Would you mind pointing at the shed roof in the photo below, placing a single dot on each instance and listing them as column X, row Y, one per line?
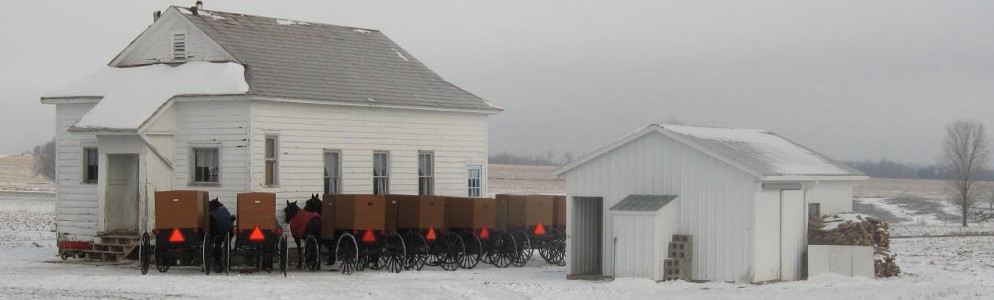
column 306, row 60
column 758, row 152
column 648, row 203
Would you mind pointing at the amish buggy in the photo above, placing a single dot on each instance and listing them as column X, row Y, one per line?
column 354, row 228
column 257, row 237
column 475, row 219
column 421, row 222
column 182, row 232
column 536, row 222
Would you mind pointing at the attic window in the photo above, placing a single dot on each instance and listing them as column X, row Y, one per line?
column 179, row 45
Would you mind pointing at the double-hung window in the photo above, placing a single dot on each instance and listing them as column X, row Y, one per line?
column 381, row 173
column 206, row 165
column 475, row 180
column 90, row 165
column 426, row 173
column 271, row 162
column 332, row 172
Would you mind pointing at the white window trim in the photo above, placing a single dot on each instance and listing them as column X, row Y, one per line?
column 275, row 159
column 338, row 180
column 386, row 183
column 479, row 187
column 431, row 178
column 86, row 166
column 193, row 165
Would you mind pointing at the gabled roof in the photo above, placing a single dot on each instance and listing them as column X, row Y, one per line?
column 643, row 203
column 306, row 60
column 758, row 152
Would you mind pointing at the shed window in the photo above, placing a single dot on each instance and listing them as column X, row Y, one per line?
column 206, row 167
column 381, row 173
column 179, row 45
column 426, row 173
column 332, row 172
column 474, row 183
column 814, row 210
column 271, row 163
column 90, row 165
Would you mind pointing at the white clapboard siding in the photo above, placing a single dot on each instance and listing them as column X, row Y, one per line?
column 716, row 201
column 76, row 202
column 305, row 131
column 210, row 124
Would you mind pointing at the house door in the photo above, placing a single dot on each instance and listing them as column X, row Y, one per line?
column 585, row 237
column 121, row 197
column 792, row 232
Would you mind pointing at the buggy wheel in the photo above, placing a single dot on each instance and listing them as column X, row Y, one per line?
column 473, row 250
column 65, row 255
column 524, row 249
column 417, row 250
column 503, row 249
column 450, row 251
column 312, row 255
column 144, row 253
column 220, row 252
column 394, row 254
column 227, row 253
column 348, row 252
column 205, row 252
column 282, row 252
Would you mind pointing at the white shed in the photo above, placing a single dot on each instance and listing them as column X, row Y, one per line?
column 743, row 195
column 643, row 225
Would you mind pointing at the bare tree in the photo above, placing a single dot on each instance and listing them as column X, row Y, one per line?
column 964, row 157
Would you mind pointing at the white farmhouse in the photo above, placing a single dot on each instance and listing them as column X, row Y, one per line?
column 230, row 103
column 742, row 195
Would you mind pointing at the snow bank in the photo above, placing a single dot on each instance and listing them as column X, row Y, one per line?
column 779, row 154
column 132, row 95
column 835, row 220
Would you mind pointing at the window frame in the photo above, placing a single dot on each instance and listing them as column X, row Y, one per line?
column 814, row 210
column 327, row 178
column 86, row 165
column 266, row 160
column 469, row 181
column 193, row 166
column 385, row 177
column 426, row 183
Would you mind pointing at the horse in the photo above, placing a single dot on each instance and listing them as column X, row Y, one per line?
column 313, row 205
column 302, row 224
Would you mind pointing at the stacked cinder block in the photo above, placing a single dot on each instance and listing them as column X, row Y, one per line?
column 679, row 253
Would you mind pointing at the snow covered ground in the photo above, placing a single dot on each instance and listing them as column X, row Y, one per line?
column 935, row 268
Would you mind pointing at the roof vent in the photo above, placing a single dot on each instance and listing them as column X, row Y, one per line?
column 156, row 15
column 200, row 5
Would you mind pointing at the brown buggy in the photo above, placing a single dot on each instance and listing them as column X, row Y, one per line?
column 257, row 235
column 362, row 235
column 421, row 221
column 476, row 220
column 533, row 221
column 182, row 232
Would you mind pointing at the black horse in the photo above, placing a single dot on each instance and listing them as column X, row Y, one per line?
column 313, row 205
column 302, row 224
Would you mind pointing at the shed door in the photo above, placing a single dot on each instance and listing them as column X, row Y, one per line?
column 585, row 237
column 634, row 245
column 792, row 231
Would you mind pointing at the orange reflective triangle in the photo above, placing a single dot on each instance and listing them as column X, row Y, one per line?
column 368, row 237
column 539, row 229
column 256, row 235
column 431, row 234
column 484, row 233
column 176, row 236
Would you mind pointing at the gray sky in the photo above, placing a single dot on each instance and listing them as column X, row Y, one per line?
column 851, row 79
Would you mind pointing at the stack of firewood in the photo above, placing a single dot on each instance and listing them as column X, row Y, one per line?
column 852, row 229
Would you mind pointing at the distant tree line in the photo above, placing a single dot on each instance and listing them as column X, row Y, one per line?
column 45, row 165
column 885, row 168
column 547, row 159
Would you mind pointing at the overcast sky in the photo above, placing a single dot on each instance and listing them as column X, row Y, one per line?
column 850, row 79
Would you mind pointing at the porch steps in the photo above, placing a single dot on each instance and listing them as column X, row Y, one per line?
column 114, row 247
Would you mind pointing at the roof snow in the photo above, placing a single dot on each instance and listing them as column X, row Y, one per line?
column 762, row 151
column 132, row 95
column 290, row 22
column 401, row 55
